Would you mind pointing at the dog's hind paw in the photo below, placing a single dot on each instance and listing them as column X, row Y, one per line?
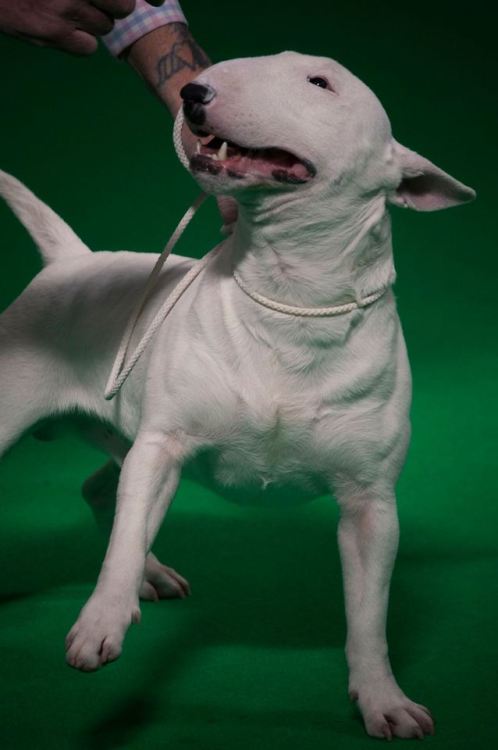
column 161, row 582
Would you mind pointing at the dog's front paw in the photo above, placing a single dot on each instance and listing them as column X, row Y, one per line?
column 161, row 582
column 96, row 637
column 388, row 713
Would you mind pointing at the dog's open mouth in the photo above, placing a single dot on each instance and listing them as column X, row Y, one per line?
column 273, row 164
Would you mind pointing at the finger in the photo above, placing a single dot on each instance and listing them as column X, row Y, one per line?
column 90, row 19
column 75, row 42
column 115, row 8
column 32, row 40
column 70, row 40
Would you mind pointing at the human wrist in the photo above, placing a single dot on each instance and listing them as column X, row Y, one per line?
column 167, row 58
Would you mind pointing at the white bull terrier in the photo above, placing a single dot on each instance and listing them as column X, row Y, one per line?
column 284, row 362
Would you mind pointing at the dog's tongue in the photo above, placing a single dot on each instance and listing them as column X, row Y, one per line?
column 267, row 162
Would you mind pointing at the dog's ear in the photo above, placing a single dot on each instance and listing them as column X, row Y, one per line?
column 425, row 187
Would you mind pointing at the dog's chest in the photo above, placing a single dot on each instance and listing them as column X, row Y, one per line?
column 260, row 414
column 271, row 440
column 281, row 431
column 266, row 444
column 289, row 405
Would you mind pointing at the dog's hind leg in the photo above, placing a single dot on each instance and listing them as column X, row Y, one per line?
column 368, row 540
column 25, row 393
column 99, row 491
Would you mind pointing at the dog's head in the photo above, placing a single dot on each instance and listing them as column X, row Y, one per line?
column 292, row 121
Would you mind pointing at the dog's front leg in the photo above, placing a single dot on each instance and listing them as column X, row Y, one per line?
column 368, row 540
column 100, row 491
column 149, row 478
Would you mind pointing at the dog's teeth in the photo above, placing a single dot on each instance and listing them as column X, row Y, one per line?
column 223, row 151
column 198, row 147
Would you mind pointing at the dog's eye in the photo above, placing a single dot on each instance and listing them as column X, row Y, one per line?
column 318, row 81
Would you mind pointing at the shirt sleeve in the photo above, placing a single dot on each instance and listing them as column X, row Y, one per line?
column 144, row 18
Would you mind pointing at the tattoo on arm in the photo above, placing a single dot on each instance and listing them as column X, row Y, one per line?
column 185, row 53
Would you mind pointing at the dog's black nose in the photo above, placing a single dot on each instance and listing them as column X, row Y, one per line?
column 197, row 93
column 195, row 96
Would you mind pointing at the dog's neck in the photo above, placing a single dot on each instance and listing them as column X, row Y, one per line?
column 289, row 249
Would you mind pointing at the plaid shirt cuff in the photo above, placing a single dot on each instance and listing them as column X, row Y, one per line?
column 144, row 18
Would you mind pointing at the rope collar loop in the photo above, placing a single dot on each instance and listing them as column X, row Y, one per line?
column 310, row 312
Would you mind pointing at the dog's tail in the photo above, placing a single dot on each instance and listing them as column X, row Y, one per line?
column 55, row 239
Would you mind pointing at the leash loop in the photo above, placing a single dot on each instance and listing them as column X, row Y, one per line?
column 122, row 368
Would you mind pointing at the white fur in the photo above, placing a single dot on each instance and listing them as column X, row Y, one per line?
column 266, row 397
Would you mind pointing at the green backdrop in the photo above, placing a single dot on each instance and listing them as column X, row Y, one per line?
column 254, row 658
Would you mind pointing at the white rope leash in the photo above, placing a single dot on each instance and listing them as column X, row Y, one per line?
column 177, row 140
column 309, row 312
column 120, row 369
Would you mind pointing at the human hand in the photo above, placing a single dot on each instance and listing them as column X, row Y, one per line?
column 69, row 25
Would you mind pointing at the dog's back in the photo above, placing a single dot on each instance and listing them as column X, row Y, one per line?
column 58, row 338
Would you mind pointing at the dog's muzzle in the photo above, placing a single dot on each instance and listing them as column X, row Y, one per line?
column 236, row 161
